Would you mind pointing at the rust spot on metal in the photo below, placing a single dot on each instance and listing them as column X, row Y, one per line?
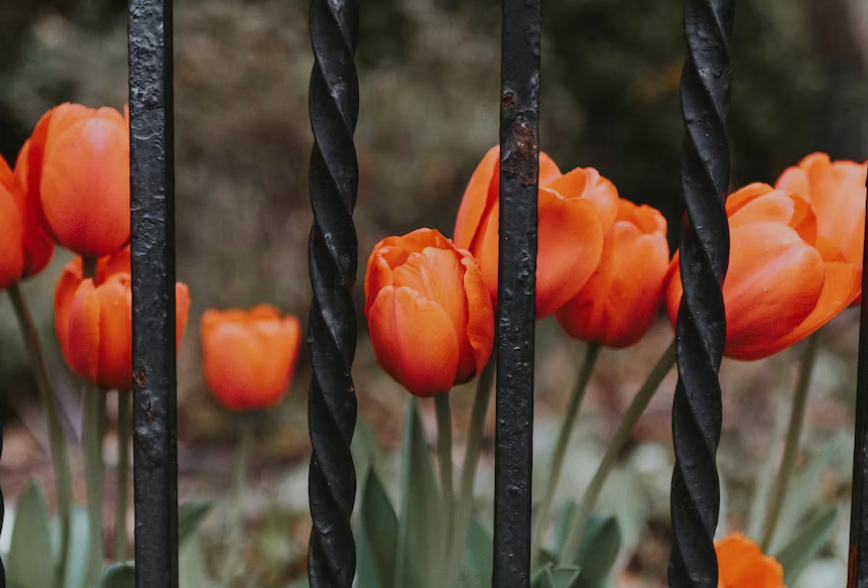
column 141, row 378
column 150, row 414
column 508, row 100
column 521, row 156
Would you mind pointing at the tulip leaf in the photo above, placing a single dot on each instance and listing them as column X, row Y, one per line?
column 29, row 562
column 421, row 545
column 798, row 553
column 192, row 567
column 598, row 552
column 478, row 558
column 119, row 576
column 564, row 522
column 190, row 515
column 546, row 578
column 378, row 536
column 79, row 548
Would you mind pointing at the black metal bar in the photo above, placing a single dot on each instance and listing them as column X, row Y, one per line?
column 857, row 576
column 153, row 284
column 701, row 328
column 333, row 260
column 516, row 319
column 2, row 514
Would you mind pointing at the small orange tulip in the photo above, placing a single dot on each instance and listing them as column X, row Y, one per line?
column 784, row 281
column 249, row 356
column 78, row 162
column 575, row 212
column 742, row 564
column 622, row 298
column 429, row 312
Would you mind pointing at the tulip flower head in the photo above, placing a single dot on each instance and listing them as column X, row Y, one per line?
column 429, row 312
column 742, row 564
column 784, row 280
column 621, row 299
column 77, row 164
column 249, row 356
column 576, row 210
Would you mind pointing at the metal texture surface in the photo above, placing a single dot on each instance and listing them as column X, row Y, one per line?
column 153, row 285
column 701, row 328
column 2, row 514
column 516, row 316
column 333, row 260
column 857, row 576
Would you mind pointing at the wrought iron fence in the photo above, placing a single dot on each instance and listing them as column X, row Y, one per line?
column 333, row 258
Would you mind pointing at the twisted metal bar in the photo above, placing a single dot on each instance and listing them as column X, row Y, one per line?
column 857, row 576
column 333, row 259
column 701, row 329
column 2, row 514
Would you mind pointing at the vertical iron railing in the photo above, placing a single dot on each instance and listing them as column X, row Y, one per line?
column 857, row 576
column 701, row 327
column 152, row 239
column 333, row 260
column 516, row 316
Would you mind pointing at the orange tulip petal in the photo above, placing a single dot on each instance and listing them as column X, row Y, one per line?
column 742, row 564
column 480, row 190
column 588, row 183
column 83, row 334
column 115, row 333
column 182, row 312
column 569, row 249
column 486, row 250
column 480, row 313
column 414, row 341
column 11, row 240
column 231, row 364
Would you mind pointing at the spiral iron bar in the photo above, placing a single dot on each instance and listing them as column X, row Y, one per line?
column 333, row 260
column 516, row 320
column 701, row 328
column 152, row 241
column 857, row 576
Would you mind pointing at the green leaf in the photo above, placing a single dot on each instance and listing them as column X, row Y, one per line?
column 29, row 564
column 564, row 522
column 477, row 561
column 598, row 552
column 798, row 553
column 190, row 515
column 421, row 545
column 546, row 578
column 192, row 568
column 378, row 536
column 119, row 576
column 79, row 548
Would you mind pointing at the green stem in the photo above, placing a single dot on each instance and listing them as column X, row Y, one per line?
column 542, row 517
column 759, row 505
column 791, row 445
column 56, row 439
column 464, row 507
column 93, row 402
column 573, row 542
column 125, row 428
column 444, row 453
column 242, row 465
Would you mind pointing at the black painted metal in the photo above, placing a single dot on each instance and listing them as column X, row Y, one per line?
column 516, row 318
column 153, row 285
column 2, row 515
column 857, row 576
column 333, row 260
column 701, row 329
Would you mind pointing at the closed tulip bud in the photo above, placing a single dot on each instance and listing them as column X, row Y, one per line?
column 78, row 163
column 621, row 299
column 784, row 281
column 576, row 210
column 429, row 312
column 742, row 564
column 249, row 356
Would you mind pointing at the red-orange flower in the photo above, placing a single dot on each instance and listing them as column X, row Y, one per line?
column 78, row 163
column 93, row 320
column 623, row 296
column 784, row 281
column 248, row 356
column 576, row 210
column 742, row 564
column 429, row 312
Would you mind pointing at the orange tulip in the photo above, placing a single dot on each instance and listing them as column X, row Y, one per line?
column 429, row 312
column 742, row 564
column 622, row 298
column 93, row 320
column 249, row 356
column 784, row 282
column 78, row 163
column 575, row 212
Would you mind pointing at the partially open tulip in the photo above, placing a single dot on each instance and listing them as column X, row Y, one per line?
column 623, row 296
column 576, row 210
column 784, row 281
column 78, row 163
column 742, row 564
column 249, row 356
column 429, row 312
column 93, row 320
